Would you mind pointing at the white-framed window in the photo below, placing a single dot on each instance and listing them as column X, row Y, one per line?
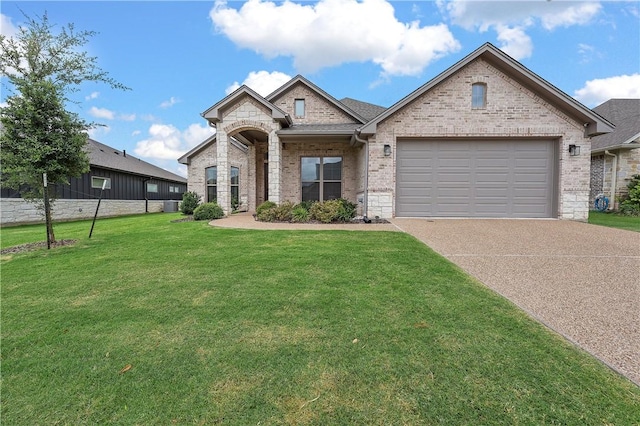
column 235, row 186
column 211, row 175
column 299, row 107
column 478, row 95
column 321, row 178
column 97, row 182
column 152, row 187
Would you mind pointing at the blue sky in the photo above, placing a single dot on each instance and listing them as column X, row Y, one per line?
column 179, row 58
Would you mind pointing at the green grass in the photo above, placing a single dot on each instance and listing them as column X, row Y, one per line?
column 615, row 220
column 242, row 327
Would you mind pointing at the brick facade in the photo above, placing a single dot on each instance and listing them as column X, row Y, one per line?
column 443, row 110
column 208, row 157
column 512, row 111
column 628, row 165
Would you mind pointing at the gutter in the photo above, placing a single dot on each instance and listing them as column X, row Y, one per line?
column 614, row 175
column 355, row 138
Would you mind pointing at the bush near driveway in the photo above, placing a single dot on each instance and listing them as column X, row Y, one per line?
column 339, row 210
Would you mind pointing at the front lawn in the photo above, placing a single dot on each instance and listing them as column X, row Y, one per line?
column 615, row 220
column 153, row 322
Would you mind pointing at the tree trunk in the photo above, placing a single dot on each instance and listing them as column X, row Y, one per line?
column 51, row 238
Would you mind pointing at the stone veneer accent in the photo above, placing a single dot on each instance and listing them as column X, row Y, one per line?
column 16, row 211
column 208, row 158
column 512, row 111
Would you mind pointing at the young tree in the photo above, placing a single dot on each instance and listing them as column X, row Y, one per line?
column 39, row 136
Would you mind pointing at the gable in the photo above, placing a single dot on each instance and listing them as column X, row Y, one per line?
column 446, row 109
column 244, row 94
column 320, row 107
column 517, row 73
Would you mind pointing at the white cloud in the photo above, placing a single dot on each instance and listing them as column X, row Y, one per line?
column 102, row 113
column 263, row 82
column 482, row 15
column 7, row 28
column 587, row 53
column 92, row 95
column 127, row 117
column 600, row 90
column 136, row 133
column 514, row 42
column 331, row 32
column 511, row 19
column 168, row 104
column 166, row 142
column 98, row 131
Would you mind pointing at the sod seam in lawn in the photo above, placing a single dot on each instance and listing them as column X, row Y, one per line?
column 153, row 322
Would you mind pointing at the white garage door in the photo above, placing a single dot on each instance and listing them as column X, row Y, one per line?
column 462, row 178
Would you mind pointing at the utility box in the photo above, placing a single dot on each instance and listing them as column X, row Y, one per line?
column 170, row 206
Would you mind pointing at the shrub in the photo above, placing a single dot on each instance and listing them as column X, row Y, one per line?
column 326, row 211
column 235, row 204
column 283, row 212
column 266, row 211
column 190, row 200
column 208, row 211
column 305, row 205
column 347, row 210
column 631, row 204
column 300, row 215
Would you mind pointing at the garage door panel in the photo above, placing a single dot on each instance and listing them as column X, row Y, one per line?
column 475, row 178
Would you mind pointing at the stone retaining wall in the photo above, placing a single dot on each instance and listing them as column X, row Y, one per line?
column 16, row 211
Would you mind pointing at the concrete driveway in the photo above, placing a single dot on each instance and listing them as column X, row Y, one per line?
column 581, row 280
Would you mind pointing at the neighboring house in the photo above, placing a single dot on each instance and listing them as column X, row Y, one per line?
column 486, row 138
column 615, row 156
column 132, row 186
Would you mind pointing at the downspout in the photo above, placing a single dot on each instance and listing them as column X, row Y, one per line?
column 365, row 208
column 614, row 175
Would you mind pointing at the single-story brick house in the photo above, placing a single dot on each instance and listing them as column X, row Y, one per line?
column 132, row 186
column 485, row 138
column 615, row 156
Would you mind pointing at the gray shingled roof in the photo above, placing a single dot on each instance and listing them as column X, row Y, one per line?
column 311, row 129
column 104, row 156
column 364, row 109
column 625, row 114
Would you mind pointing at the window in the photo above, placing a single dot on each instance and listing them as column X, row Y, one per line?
column 175, row 189
column 321, row 178
column 97, row 182
column 299, row 107
column 478, row 95
column 152, row 187
column 235, row 187
column 212, row 183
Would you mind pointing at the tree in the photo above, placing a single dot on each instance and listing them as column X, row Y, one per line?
column 39, row 135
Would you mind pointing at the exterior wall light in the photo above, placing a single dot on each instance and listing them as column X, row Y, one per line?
column 574, row 150
column 387, row 150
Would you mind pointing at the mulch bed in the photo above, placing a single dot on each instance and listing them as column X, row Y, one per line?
column 22, row 248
